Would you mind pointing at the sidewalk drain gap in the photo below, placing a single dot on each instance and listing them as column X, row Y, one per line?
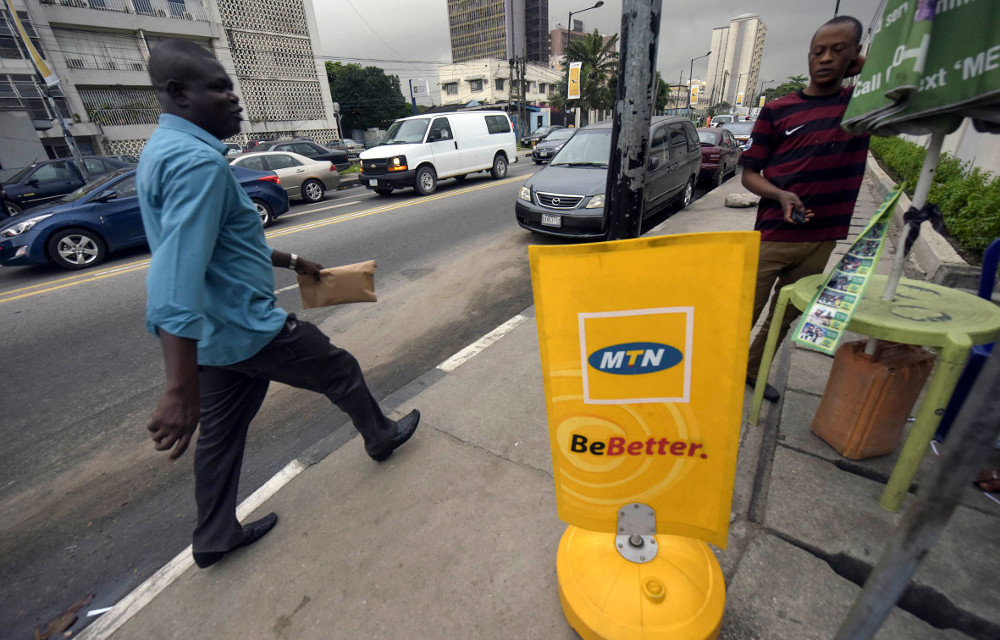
column 920, row 601
column 866, row 472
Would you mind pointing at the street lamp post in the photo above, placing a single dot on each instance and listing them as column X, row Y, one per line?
column 569, row 38
column 691, row 75
column 760, row 91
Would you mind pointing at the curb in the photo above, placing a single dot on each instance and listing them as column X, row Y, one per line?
column 931, row 253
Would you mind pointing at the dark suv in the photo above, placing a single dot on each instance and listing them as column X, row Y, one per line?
column 309, row 149
column 42, row 182
column 566, row 198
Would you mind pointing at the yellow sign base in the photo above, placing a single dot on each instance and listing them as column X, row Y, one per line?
column 680, row 594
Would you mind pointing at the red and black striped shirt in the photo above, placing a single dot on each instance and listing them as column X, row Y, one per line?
column 798, row 145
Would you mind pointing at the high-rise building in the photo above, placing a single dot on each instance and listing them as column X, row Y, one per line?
column 499, row 29
column 99, row 49
column 559, row 40
column 734, row 66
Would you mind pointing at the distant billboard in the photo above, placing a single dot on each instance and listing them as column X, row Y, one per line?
column 694, row 94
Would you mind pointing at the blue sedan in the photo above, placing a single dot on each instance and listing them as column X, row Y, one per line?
column 80, row 229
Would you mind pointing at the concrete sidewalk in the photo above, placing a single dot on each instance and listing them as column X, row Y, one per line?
column 455, row 535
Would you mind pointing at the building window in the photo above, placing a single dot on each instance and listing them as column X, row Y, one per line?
column 10, row 45
column 498, row 83
column 541, row 87
column 476, row 85
column 451, row 88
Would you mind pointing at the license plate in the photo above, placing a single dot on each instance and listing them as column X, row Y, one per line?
column 543, row 154
column 373, row 183
column 550, row 220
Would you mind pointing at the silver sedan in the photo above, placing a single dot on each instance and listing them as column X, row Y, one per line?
column 301, row 177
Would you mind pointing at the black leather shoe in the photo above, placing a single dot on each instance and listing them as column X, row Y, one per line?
column 252, row 532
column 770, row 393
column 404, row 429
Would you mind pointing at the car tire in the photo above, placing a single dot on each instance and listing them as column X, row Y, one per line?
column 383, row 191
column 76, row 248
column 719, row 178
column 11, row 208
column 686, row 196
column 499, row 170
column 425, row 181
column 313, row 190
column 265, row 213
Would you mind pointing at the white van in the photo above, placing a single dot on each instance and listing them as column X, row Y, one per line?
column 420, row 150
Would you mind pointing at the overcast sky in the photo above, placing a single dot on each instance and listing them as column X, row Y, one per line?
column 409, row 38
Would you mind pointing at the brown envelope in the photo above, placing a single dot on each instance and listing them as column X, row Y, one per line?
column 339, row 285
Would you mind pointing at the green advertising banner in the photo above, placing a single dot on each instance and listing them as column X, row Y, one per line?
column 931, row 63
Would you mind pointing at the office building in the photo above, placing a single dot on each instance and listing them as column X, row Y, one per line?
column 559, row 40
column 499, row 29
column 99, row 50
column 734, row 66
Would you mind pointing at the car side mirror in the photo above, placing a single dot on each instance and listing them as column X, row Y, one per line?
column 435, row 135
column 654, row 162
column 33, row 182
column 106, row 196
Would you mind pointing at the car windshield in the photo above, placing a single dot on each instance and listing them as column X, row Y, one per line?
column 94, row 185
column 586, row 148
column 406, row 131
column 708, row 137
column 560, row 134
column 739, row 128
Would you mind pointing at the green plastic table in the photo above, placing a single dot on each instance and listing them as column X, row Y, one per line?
column 950, row 321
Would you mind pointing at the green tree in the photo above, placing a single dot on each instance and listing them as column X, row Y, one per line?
column 368, row 96
column 598, row 73
column 662, row 94
column 720, row 107
column 790, row 85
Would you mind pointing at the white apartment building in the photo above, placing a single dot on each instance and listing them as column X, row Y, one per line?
column 734, row 65
column 99, row 50
column 489, row 81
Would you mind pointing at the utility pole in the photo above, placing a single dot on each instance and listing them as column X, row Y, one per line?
column 633, row 111
column 510, row 87
column 522, row 108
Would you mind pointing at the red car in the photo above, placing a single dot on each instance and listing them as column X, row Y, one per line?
column 720, row 155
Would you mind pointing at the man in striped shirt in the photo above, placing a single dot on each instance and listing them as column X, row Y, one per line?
column 807, row 171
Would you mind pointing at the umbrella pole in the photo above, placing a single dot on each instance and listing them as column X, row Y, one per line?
column 966, row 451
column 919, row 200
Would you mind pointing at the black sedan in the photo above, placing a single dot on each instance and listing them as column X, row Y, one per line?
column 548, row 146
column 43, row 182
column 309, row 149
column 539, row 133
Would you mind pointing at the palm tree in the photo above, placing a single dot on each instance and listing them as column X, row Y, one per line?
column 600, row 65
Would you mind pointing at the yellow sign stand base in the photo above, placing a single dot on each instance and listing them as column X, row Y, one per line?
column 680, row 594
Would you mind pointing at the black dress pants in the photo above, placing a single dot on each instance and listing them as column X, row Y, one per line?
column 301, row 356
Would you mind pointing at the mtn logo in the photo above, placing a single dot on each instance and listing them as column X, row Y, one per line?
column 635, row 358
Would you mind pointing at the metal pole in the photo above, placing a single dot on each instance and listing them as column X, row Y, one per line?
column 966, row 451
column 413, row 101
column 919, row 200
column 632, row 114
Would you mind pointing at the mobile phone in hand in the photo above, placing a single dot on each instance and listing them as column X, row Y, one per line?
column 798, row 215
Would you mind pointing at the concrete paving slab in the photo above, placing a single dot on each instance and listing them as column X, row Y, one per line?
column 782, row 591
column 809, row 370
column 498, row 401
column 845, row 519
column 444, row 540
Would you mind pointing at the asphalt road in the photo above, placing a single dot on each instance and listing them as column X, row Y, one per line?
column 88, row 507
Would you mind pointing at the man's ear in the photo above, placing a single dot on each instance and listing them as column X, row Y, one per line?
column 175, row 90
column 854, row 68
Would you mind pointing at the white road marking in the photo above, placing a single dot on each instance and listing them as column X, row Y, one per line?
column 478, row 346
column 332, row 206
column 131, row 604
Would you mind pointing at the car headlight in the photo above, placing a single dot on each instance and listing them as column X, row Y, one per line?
column 525, row 194
column 397, row 163
column 596, row 202
column 21, row 227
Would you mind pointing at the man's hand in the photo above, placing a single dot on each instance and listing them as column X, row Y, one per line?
column 790, row 202
column 176, row 415
column 308, row 268
column 174, row 421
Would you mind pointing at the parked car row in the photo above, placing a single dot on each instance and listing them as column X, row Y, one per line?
column 80, row 229
column 45, row 181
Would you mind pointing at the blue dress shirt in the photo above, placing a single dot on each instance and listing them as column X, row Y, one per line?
column 211, row 277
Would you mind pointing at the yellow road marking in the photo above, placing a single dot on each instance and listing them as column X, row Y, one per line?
column 70, row 281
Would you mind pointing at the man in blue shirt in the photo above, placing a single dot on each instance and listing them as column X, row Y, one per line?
column 211, row 301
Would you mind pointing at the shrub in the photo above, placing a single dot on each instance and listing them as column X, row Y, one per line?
column 968, row 197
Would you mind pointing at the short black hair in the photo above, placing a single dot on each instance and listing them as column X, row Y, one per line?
column 176, row 59
column 854, row 22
